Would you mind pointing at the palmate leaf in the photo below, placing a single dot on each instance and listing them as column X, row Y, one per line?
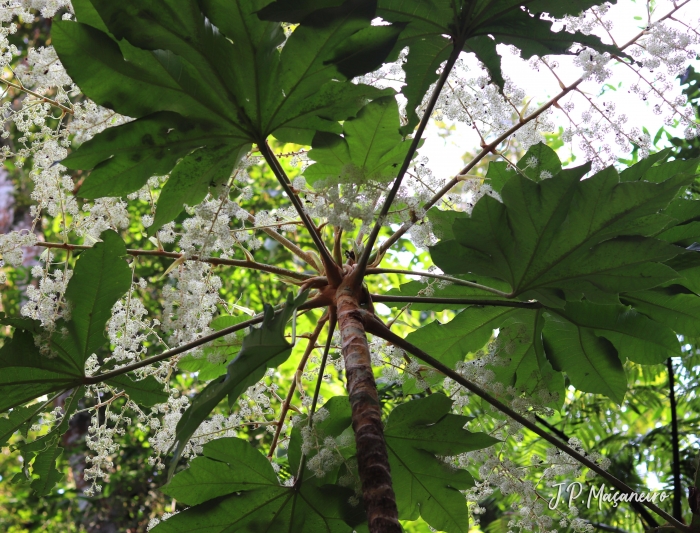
column 416, row 433
column 371, row 147
column 100, row 278
column 559, row 238
column 264, row 347
column 233, row 487
column 208, row 76
column 554, row 240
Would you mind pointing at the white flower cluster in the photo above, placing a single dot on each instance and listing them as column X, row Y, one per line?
column 593, row 64
column 45, row 301
column 208, row 230
column 342, row 204
column 671, row 47
column 164, row 430
column 660, row 54
column 24, row 9
column 479, row 104
column 189, row 305
column 480, row 371
column 48, row 420
column 101, row 433
column 101, row 215
column 252, row 408
column 89, row 119
column 11, row 247
column 128, row 328
column 590, row 20
column 7, row 51
column 503, row 474
column 42, row 68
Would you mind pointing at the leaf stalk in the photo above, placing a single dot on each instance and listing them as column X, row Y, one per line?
column 376, row 327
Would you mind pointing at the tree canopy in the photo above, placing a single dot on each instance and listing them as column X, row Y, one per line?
column 211, row 287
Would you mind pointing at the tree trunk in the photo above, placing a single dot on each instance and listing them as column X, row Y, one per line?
column 372, row 458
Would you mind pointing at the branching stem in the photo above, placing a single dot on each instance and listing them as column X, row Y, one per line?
column 281, row 176
column 302, row 364
column 369, row 244
column 253, row 265
column 443, row 277
column 383, row 298
column 489, row 148
column 49, row 101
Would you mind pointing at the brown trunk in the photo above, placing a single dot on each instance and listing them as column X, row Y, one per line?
column 372, row 458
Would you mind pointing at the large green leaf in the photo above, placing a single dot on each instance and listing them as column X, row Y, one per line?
column 564, row 237
column 45, row 451
column 417, row 433
column 233, row 487
column 124, row 157
column 264, row 347
column 370, row 148
column 190, row 180
column 634, row 336
column 209, row 76
column 590, row 362
column 524, row 364
column 100, row 278
column 468, row 332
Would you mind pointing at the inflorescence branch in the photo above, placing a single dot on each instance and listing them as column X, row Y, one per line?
column 253, row 265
